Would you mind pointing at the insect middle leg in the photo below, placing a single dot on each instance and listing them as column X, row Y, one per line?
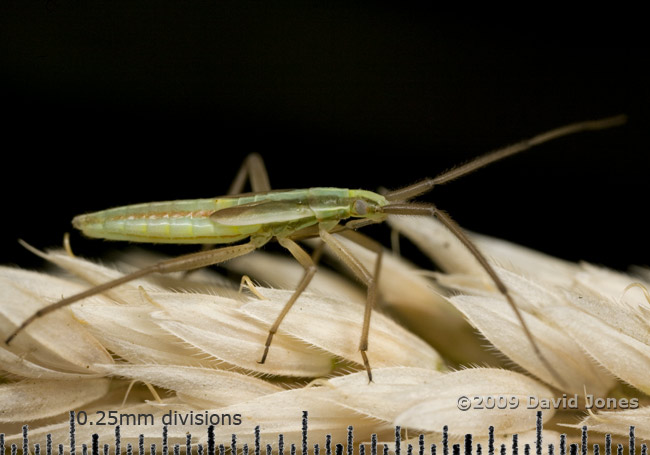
column 370, row 280
column 309, row 264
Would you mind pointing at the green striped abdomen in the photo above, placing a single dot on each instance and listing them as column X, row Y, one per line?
column 164, row 222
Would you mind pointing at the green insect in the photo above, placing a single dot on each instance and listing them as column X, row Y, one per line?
column 288, row 216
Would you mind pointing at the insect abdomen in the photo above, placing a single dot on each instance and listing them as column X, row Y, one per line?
column 163, row 222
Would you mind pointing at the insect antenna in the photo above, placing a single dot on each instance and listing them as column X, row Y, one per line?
column 424, row 186
column 398, row 205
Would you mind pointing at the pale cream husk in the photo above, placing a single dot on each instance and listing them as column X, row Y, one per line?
column 170, row 348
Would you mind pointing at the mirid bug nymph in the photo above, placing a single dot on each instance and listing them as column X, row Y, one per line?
column 289, row 216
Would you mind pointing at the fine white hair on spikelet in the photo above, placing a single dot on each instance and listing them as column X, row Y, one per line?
column 196, row 341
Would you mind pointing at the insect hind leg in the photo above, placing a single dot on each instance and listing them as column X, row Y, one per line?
column 179, row 264
column 253, row 168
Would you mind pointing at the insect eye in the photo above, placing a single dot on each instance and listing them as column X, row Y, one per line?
column 360, row 207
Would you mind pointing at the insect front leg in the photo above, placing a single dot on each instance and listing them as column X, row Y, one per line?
column 370, row 280
column 408, row 208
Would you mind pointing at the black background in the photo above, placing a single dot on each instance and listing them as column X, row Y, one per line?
column 108, row 105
